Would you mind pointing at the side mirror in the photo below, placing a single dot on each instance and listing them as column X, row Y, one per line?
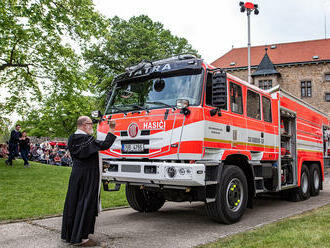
column 183, row 105
column 96, row 114
column 219, row 90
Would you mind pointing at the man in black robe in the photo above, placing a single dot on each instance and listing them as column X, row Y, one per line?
column 13, row 144
column 82, row 199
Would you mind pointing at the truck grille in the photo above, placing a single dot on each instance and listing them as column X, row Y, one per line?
column 143, row 133
column 130, row 168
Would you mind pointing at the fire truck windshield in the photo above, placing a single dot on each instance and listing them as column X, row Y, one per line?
column 156, row 93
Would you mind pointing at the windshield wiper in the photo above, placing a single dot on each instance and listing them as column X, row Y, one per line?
column 160, row 103
column 116, row 108
column 139, row 107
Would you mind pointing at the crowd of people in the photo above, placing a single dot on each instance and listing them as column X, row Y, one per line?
column 4, row 151
column 46, row 152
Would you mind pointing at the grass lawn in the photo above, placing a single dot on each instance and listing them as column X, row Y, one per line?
column 311, row 229
column 40, row 190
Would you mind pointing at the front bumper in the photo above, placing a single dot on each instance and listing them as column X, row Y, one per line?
column 157, row 173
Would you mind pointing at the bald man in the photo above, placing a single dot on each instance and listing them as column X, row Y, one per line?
column 82, row 199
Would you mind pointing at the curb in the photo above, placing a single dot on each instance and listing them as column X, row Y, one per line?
column 51, row 216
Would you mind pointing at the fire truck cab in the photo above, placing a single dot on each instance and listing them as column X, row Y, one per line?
column 189, row 132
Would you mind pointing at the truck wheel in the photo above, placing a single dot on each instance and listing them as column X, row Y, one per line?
column 315, row 180
column 231, row 197
column 143, row 200
column 303, row 192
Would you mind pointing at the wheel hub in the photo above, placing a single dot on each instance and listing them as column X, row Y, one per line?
column 234, row 194
column 316, row 180
column 304, row 183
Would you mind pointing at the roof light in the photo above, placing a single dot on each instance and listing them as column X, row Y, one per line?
column 249, row 5
column 273, row 46
column 315, row 57
column 232, row 63
column 186, row 56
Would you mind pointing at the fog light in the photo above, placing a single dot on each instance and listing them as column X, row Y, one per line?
column 182, row 171
column 105, row 166
column 171, row 172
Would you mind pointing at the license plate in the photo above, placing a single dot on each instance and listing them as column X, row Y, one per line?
column 133, row 147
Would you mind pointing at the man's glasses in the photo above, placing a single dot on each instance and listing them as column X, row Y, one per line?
column 88, row 123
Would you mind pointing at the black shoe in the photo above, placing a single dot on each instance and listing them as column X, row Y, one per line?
column 6, row 162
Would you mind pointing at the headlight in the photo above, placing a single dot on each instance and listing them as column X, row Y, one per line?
column 171, row 172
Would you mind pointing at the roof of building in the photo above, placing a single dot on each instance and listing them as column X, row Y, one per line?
column 282, row 53
column 265, row 67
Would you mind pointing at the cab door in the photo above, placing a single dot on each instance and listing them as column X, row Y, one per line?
column 217, row 129
column 238, row 120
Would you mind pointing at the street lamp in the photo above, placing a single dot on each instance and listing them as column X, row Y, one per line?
column 249, row 7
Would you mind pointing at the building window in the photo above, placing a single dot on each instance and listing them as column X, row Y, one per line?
column 327, row 97
column 306, row 89
column 265, row 84
column 327, row 77
column 253, row 105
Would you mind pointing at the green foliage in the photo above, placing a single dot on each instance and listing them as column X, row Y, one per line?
column 36, row 47
column 4, row 129
column 128, row 43
column 58, row 115
column 307, row 230
column 40, row 191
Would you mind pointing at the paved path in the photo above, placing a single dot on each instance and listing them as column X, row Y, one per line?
column 176, row 225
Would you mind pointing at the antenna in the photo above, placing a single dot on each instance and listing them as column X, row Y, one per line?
column 325, row 25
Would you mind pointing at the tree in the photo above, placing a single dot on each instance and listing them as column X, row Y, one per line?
column 34, row 56
column 128, row 43
column 4, row 130
column 58, row 115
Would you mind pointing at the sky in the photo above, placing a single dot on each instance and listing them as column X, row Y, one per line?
column 213, row 27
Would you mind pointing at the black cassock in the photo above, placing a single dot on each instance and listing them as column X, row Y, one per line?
column 81, row 203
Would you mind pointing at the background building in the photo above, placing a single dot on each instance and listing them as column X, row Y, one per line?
column 301, row 68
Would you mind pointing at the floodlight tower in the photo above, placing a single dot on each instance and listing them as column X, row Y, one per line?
column 249, row 7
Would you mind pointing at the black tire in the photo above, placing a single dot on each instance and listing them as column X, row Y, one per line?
column 303, row 191
column 143, row 200
column 231, row 196
column 315, row 179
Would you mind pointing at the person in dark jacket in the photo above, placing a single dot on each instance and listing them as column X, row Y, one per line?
column 13, row 144
column 24, row 148
column 82, row 200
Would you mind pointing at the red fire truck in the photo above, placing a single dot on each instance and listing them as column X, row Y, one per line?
column 190, row 132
